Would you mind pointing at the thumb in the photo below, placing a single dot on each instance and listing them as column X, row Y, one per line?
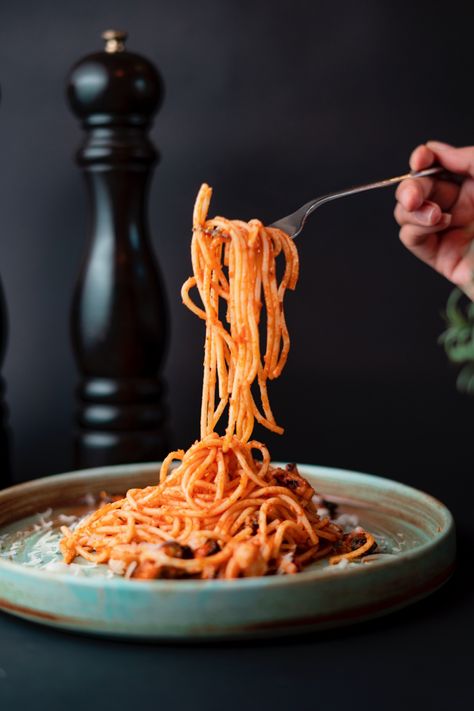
column 458, row 160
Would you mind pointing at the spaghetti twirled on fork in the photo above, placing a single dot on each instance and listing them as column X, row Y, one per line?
column 224, row 511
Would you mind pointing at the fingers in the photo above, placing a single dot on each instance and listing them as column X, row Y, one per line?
column 413, row 193
column 427, row 215
column 415, row 235
column 424, row 207
column 424, row 242
column 458, row 160
column 422, row 157
column 419, row 229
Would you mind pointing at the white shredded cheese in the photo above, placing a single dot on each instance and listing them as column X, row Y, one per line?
column 67, row 520
column 347, row 520
column 130, row 569
column 117, row 566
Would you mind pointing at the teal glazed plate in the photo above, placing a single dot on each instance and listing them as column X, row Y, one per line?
column 415, row 556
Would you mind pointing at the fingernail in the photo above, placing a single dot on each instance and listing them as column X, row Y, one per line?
column 428, row 214
column 446, row 217
column 438, row 145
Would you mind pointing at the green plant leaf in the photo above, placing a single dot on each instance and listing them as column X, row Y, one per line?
column 458, row 338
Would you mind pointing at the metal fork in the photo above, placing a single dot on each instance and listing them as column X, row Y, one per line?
column 294, row 223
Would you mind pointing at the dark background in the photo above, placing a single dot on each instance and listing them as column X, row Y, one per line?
column 272, row 103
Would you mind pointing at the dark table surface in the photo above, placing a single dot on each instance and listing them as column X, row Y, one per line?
column 420, row 657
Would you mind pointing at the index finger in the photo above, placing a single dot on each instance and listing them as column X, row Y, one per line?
column 422, row 157
column 458, row 160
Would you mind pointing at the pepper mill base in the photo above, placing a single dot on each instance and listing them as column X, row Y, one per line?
column 99, row 449
column 5, row 471
column 121, row 421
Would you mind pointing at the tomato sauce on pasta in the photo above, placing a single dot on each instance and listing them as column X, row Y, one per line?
column 220, row 509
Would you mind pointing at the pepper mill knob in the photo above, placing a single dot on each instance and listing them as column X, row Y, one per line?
column 115, row 86
column 119, row 315
column 114, row 40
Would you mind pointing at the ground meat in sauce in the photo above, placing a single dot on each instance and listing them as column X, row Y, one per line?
column 210, row 547
column 248, row 557
column 167, row 572
column 357, row 542
column 150, row 570
column 292, row 479
column 331, row 506
column 354, row 540
column 252, row 522
column 173, row 549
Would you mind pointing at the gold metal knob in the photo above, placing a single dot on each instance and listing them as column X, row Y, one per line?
column 114, row 40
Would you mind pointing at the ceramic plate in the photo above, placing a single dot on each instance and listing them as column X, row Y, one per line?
column 414, row 532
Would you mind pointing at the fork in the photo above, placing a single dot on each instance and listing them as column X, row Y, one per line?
column 294, row 223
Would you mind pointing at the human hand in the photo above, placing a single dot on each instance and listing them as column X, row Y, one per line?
column 436, row 217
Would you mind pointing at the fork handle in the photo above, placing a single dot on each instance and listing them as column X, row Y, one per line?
column 427, row 172
column 294, row 223
column 438, row 170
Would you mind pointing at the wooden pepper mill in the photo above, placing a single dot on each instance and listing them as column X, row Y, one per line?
column 119, row 315
column 4, row 439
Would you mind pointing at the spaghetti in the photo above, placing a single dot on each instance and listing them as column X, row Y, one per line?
column 224, row 511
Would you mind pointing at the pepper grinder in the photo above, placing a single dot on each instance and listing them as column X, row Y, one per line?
column 4, row 439
column 119, row 315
